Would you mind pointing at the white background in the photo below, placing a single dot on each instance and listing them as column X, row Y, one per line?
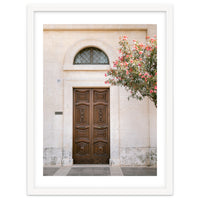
column 13, row 99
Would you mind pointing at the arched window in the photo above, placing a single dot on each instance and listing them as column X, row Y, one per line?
column 91, row 56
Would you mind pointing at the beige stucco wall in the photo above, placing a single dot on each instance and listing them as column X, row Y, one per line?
column 133, row 123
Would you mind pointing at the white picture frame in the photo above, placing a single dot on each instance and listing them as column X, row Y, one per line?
column 35, row 189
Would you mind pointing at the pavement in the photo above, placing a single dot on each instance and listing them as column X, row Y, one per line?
column 99, row 170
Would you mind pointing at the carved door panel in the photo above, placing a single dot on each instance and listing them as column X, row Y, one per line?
column 91, row 126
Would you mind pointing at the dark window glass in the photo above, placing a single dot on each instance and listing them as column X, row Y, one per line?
column 91, row 55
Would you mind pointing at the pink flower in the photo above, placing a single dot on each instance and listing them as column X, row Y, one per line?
column 154, row 36
column 154, row 91
column 127, row 72
column 114, row 66
column 139, row 65
column 151, row 91
column 125, row 37
column 140, row 74
column 152, row 40
column 127, row 56
column 126, row 63
column 116, row 62
column 140, row 52
column 121, row 64
column 134, row 40
column 147, row 37
column 131, row 61
column 141, row 45
column 155, row 87
column 140, row 58
column 105, row 75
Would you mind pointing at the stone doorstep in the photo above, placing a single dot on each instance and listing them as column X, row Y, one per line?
column 113, row 170
column 89, row 165
column 89, row 171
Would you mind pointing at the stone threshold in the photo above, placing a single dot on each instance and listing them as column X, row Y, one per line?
column 98, row 170
column 91, row 165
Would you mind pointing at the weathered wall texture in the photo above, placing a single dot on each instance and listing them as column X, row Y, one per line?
column 133, row 123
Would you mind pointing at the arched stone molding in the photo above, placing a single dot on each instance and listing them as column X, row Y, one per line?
column 75, row 48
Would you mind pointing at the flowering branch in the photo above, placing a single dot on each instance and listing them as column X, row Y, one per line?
column 136, row 68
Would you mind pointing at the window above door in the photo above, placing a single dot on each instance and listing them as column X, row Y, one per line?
column 91, row 56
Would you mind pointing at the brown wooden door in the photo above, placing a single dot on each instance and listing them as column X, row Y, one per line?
column 91, row 126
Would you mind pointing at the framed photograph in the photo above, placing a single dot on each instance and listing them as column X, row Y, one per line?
column 99, row 108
